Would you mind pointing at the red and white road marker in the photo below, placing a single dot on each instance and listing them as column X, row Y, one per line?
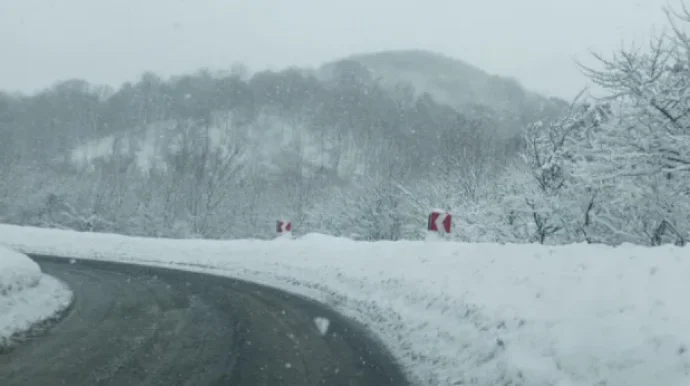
column 283, row 227
column 439, row 223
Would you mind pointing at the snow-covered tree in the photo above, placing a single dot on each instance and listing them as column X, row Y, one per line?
column 644, row 153
column 558, row 201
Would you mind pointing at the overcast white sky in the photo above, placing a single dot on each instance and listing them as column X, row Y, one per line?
column 111, row 41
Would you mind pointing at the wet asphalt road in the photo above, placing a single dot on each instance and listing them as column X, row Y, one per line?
column 133, row 325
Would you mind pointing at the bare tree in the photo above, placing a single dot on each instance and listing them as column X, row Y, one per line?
column 204, row 169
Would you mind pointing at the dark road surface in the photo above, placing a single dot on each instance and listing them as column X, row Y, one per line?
column 133, row 325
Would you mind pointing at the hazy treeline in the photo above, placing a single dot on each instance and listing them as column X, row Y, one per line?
column 224, row 155
column 208, row 128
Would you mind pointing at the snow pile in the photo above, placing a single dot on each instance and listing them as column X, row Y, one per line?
column 27, row 296
column 18, row 272
column 460, row 314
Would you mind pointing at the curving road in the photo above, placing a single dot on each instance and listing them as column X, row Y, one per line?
column 134, row 325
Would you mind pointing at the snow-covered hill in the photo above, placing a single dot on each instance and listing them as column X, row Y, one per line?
column 456, row 313
column 305, row 132
column 453, row 82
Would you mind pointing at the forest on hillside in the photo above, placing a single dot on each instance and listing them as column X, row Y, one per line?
column 224, row 155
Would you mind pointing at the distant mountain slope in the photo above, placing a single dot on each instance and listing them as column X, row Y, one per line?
column 359, row 116
column 453, row 82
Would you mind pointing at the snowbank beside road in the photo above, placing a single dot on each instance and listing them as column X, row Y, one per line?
column 27, row 296
column 459, row 314
column 17, row 272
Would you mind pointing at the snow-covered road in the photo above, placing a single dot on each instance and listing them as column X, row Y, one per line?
column 151, row 326
column 27, row 296
column 455, row 313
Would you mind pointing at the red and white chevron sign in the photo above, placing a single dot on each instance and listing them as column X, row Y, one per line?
column 283, row 226
column 439, row 221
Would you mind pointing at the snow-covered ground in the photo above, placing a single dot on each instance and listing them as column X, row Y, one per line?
column 460, row 314
column 27, row 296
